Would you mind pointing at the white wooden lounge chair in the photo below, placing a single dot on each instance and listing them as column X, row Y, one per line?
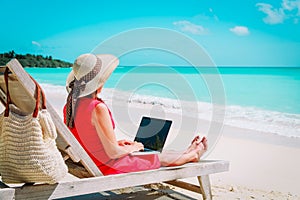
column 87, row 177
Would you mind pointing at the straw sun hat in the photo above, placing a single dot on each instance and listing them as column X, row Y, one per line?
column 91, row 71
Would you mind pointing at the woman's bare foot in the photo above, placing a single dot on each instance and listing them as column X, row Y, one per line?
column 204, row 147
column 200, row 149
column 204, row 142
column 196, row 139
column 192, row 154
column 195, row 142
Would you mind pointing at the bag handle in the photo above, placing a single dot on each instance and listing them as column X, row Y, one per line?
column 8, row 100
column 39, row 93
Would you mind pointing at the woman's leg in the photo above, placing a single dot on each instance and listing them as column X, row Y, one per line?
column 192, row 154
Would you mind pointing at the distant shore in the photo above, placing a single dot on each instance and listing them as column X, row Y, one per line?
column 30, row 60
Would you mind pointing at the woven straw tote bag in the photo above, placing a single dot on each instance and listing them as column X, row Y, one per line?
column 28, row 151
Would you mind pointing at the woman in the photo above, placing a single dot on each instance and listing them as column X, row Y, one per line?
column 91, row 122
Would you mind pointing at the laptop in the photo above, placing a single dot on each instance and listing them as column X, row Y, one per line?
column 152, row 133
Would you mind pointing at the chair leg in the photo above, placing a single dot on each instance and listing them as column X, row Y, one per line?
column 205, row 187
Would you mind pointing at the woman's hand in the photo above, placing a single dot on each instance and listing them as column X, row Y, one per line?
column 138, row 146
column 130, row 145
column 125, row 142
column 134, row 146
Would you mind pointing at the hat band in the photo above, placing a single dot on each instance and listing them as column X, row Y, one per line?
column 89, row 76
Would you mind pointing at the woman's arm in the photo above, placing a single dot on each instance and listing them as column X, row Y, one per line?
column 102, row 122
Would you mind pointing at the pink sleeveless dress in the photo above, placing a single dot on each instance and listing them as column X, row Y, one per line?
column 87, row 136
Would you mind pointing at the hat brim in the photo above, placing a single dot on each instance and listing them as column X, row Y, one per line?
column 109, row 64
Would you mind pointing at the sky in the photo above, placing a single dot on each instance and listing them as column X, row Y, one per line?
column 231, row 32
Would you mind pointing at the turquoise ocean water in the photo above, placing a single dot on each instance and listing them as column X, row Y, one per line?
column 260, row 95
column 276, row 89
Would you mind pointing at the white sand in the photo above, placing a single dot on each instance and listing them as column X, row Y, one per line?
column 259, row 168
column 259, row 165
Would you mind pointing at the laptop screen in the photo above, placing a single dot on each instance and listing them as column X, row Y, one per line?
column 153, row 133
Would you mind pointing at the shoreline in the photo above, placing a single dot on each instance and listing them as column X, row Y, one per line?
column 263, row 121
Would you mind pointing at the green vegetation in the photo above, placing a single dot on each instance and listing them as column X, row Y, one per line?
column 30, row 60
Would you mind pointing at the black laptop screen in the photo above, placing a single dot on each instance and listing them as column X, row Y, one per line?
column 153, row 132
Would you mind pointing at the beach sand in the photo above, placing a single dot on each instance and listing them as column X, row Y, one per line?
column 259, row 163
column 262, row 166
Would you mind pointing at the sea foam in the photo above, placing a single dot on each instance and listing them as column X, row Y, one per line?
column 283, row 124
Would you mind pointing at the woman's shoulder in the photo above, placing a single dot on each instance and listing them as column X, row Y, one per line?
column 100, row 106
column 101, row 111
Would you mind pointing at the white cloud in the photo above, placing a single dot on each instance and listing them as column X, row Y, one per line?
column 286, row 4
column 274, row 16
column 240, row 30
column 36, row 43
column 291, row 5
column 187, row 26
column 289, row 9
